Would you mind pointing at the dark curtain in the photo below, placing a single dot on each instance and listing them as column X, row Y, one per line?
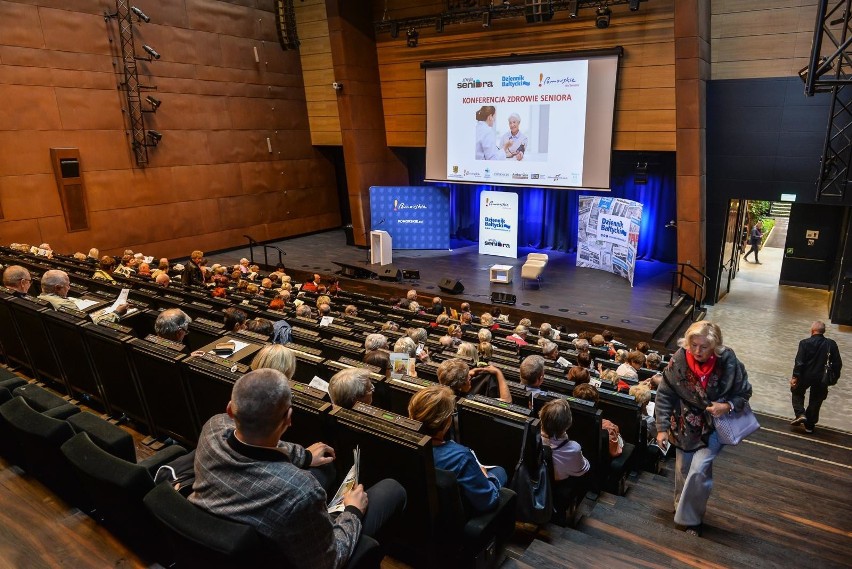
column 547, row 218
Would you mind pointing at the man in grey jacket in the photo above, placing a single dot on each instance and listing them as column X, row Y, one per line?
column 245, row 473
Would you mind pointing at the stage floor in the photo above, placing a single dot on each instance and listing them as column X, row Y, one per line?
column 601, row 299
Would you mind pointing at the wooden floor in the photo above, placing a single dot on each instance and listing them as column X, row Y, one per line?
column 583, row 298
column 780, row 499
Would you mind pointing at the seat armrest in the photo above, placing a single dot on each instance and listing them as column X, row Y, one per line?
column 496, row 521
column 62, row 411
column 165, row 456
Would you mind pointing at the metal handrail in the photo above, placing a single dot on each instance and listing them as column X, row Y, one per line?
column 252, row 242
column 677, row 283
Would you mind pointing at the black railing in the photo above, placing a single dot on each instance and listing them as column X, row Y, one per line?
column 252, row 242
column 699, row 286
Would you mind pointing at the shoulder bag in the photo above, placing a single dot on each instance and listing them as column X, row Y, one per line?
column 736, row 425
column 533, row 486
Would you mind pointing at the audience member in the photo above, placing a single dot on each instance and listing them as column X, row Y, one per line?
column 520, row 335
column 105, row 269
column 192, row 273
column 437, row 306
column 163, row 280
column 246, row 473
column 350, row 386
column 172, row 324
column 260, row 326
column 590, row 393
column 277, row 357
column 311, row 286
column 630, row 369
column 568, row 459
column 456, row 374
column 234, row 319
column 480, row 486
column 17, row 279
column 532, row 374
column 578, row 374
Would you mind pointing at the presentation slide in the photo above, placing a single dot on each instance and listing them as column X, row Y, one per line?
column 543, row 120
column 517, row 122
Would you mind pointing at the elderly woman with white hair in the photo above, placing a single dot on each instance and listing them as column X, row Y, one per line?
column 514, row 142
column 350, row 386
column 704, row 381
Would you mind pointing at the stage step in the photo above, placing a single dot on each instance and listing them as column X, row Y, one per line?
column 592, row 553
column 676, row 322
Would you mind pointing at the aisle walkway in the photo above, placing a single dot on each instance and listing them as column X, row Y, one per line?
column 763, row 322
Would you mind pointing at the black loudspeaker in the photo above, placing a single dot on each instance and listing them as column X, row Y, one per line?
column 411, row 274
column 503, row 298
column 390, row 273
column 451, row 286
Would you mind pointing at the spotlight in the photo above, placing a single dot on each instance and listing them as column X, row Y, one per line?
column 155, row 137
column 640, row 176
column 602, row 16
column 140, row 14
column 155, row 103
column 486, row 19
column 153, row 53
column 411, row 37
column 394, row 30
column 573, row 8
column 633, row 5
column 671, row 224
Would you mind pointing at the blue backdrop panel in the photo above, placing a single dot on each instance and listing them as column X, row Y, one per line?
column 417, row 217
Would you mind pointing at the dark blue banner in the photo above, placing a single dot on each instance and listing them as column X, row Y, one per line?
column 417, row 217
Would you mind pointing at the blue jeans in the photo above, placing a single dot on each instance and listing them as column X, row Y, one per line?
column 694, row 481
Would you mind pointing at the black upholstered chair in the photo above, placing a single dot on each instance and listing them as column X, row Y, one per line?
column 116, row 486
column 200, row 539
column 472, row 540
column 39, row 438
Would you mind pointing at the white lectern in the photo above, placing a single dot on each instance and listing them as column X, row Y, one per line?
column 380, row 247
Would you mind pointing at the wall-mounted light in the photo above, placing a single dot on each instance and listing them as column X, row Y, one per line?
column 633, row 5
column 602, row 17
column 155, row 137
column 337, row 86
column 411, row 37
column 140, row 14
column 151, row 51
column 486, row 19
column 155, row 103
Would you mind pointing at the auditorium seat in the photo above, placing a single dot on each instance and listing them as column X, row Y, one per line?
column 471, row 541
column 116, row 486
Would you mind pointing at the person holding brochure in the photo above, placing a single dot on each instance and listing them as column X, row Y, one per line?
column 56, row 284
column 703, row 380
column 244, row 472
column 480, row 486
column 486, row 138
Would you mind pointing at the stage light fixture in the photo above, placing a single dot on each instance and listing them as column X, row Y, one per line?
column 155, row 137
column 602, row 17
column 155, row 103
column 140, row 14
column 151, row 51
column 573, row 8
column 486, row 19
column 640, row 176
column 633, row 5
column 411, row 37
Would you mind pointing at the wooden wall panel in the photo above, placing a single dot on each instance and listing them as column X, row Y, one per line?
column 645, row 104
column 771, row 38
column 211, row 179
column 318, row 72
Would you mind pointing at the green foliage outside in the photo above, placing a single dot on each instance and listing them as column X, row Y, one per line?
column 759, row 211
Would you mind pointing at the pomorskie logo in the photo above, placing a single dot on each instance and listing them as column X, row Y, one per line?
column 496, row 243
column 399, row 206
column 491, row 203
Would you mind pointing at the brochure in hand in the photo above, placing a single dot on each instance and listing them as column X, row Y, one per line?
column 336, row 504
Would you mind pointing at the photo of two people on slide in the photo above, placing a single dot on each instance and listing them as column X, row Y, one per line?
column 512, row 144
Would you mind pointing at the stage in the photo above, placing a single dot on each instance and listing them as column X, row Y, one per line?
column 574, row 296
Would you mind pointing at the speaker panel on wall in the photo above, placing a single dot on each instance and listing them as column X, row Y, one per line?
column 452, row 286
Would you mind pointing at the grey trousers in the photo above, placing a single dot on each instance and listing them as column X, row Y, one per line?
column 694, row 481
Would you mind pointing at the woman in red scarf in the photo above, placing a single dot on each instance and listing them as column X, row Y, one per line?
column 703, row 380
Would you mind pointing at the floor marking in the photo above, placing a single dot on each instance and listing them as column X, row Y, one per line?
column 803, row 437
column 784, row 450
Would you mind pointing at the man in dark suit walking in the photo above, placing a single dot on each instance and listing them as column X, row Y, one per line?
column 755, row 239
column 808, row 373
